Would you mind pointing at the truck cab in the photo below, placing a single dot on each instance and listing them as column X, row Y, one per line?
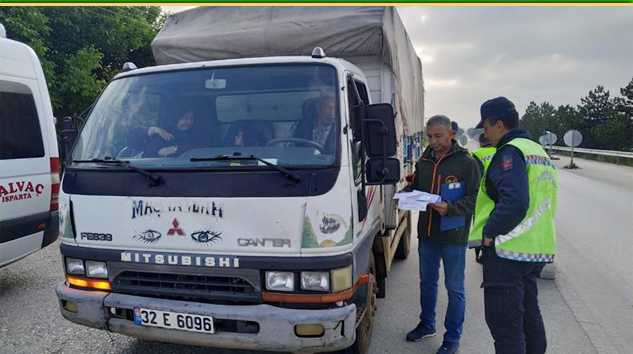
column 231, row 203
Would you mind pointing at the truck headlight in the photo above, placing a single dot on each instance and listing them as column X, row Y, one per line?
column 96, row 269
column 318, row 281
column 75, row 266
column 280, row 281
column 341, row 279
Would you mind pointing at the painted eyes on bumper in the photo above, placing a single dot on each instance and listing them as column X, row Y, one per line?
column 206, row 237
column 202, row 237
column 148, row 236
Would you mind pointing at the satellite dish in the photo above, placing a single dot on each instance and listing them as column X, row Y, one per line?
column 463, row 140
column 572, row 138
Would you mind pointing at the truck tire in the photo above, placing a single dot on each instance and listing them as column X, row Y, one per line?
column 365, row 328
column 380, row 273
column 404, row 246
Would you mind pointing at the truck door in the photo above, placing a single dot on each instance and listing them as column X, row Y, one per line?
column 363, row 197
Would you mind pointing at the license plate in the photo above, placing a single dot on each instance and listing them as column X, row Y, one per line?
column 173, row 320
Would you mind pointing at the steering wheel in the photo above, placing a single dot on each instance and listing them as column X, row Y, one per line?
column 125, row 150
column 311, row 143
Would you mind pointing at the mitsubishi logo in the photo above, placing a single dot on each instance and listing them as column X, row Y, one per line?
column 176, row 229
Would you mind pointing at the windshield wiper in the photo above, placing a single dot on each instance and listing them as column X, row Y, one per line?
column 153, row 179
column 237, row 156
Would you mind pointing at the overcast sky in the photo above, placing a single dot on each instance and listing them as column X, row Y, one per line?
column 527, row 53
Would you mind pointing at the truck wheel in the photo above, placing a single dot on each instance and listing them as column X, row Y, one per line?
column 380, row 273
column 365, row 327
column 404, row 246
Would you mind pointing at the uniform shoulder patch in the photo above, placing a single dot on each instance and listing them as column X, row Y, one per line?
column 507, row 163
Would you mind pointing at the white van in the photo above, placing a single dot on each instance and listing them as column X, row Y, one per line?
column 29, row 158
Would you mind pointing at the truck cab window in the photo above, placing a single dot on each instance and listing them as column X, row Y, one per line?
column 355, row 124
column 285, row 114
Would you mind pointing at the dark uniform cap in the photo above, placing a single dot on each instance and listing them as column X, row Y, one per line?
column 499, row 107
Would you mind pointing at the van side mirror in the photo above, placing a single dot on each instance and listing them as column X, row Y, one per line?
column 380, row 130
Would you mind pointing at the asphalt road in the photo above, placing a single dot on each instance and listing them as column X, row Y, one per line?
column 587, row 309
column 595, row 246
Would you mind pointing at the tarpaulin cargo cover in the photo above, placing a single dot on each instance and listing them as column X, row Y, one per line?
column 213, row 33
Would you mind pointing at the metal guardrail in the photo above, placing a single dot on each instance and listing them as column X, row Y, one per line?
column 623, row 154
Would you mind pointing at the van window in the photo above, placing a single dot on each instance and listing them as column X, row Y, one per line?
column 282, row 113
column 20, row 134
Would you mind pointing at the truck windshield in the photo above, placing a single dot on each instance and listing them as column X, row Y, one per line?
column 284, row 114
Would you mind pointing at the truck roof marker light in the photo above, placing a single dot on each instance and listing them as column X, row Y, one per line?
column 129, row 66
column 87, row 283
column 318, row 53
column 315, row 298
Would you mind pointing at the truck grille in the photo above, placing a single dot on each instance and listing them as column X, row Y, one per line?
column 186, row 287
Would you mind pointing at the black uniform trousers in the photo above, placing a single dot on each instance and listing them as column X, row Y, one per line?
column 511, row 304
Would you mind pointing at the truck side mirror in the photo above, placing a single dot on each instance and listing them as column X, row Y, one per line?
column 380, row 130
column 380, row 144
column 68, row 136
column 382, row 171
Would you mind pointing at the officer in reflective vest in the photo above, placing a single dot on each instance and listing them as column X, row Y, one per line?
column 514, row 220
column 483, row 156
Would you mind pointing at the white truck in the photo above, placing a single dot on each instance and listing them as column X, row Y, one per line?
column 238, row 195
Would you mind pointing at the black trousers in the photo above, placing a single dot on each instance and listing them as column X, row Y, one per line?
column 511, row 304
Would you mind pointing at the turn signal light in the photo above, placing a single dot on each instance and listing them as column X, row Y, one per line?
column 309, row 330
column 88, row 283
column 70, row 306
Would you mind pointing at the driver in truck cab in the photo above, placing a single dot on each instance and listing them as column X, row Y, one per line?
column 318, row 123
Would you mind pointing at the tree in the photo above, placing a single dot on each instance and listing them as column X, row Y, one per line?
column 621, row 125
column 540, row 118
column 617, row 134
column 82, row 48
column 596, row 107
column 605, row 122
column 567, row 118
column 531, row 119
column 625, row 104
column 595, row 110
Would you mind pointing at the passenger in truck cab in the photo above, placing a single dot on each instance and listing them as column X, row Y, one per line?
column 181, row 135
column 248, row 136
column 318, row 124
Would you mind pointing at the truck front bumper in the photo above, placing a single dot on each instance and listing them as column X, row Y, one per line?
column 276, row 325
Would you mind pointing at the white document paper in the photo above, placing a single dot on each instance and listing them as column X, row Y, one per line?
column 415, row 200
